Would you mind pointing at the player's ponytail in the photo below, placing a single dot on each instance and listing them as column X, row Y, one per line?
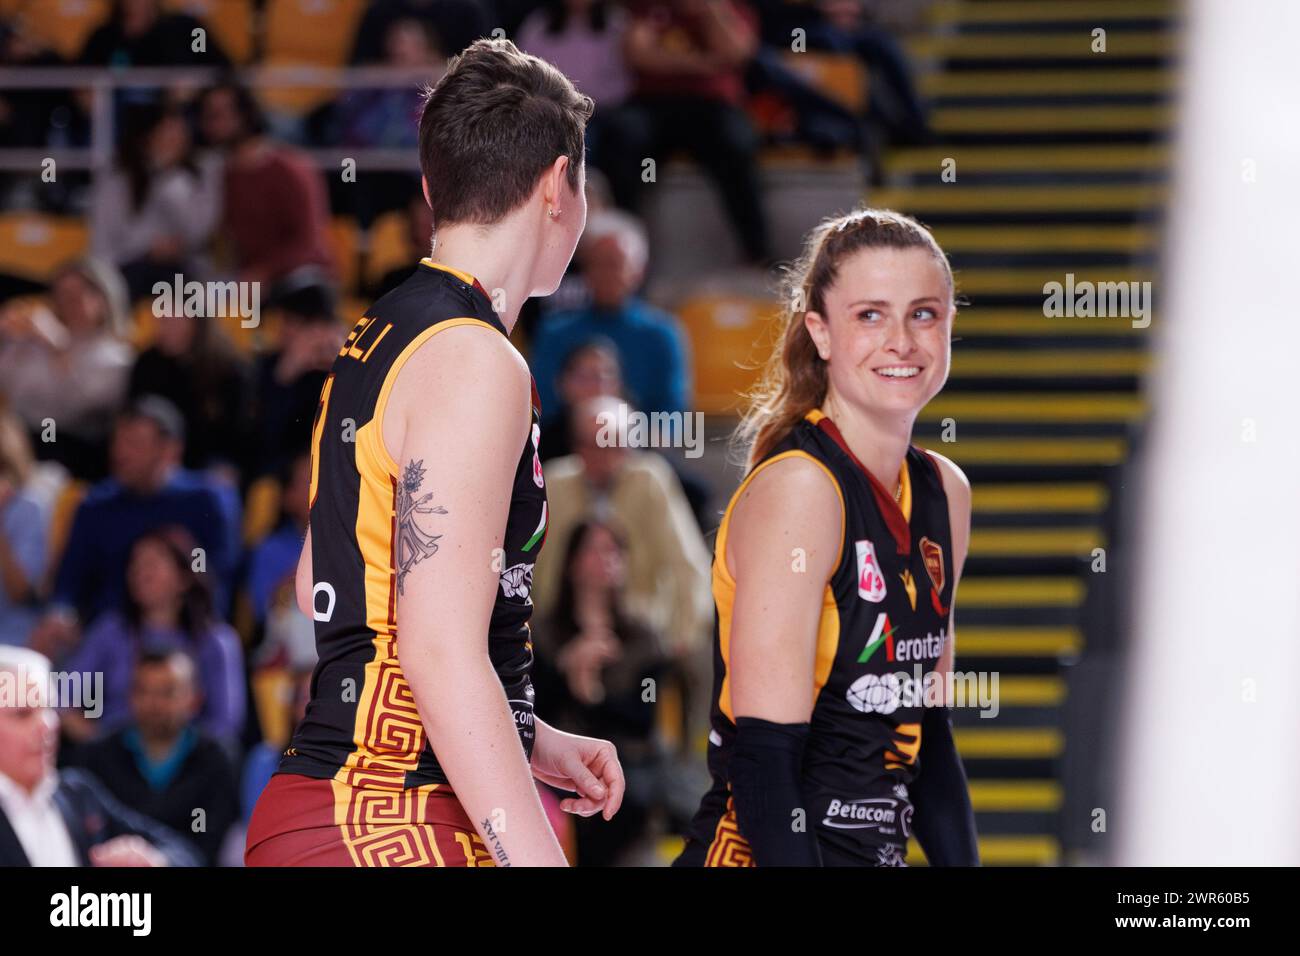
column 793, row 380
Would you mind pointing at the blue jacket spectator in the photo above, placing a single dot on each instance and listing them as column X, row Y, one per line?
column 651, row 347
column 146, row 491
column 22, row 535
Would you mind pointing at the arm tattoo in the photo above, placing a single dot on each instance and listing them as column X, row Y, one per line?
column 498, row 851
column 414, row 544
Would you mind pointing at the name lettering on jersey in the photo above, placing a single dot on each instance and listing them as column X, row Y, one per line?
column 871, row 580
column 363, row 338
column 901, row 649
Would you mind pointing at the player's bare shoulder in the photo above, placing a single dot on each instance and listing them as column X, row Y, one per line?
column 792, row 502
column 469, row 370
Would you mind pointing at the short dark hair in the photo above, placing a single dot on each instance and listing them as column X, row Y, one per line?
column 246, row 104
column 493, row 123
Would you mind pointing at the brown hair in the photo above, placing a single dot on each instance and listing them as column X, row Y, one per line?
column 793, row 380
column 491, row 126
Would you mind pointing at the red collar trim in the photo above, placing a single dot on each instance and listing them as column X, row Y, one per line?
column 893, row 514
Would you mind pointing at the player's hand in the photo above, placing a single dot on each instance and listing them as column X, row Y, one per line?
column 126, row 850
column 584, row 765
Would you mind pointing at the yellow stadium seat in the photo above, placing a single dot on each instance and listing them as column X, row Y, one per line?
column 33, row 245
column 389, row 248
column 351, row 308
column 839, row 76
column 272, row 694
column 144, row 325
column 65, row 507
column 261, row 509
column 729, row 338
column 231, row 22
column 307, row 33
column 345, row 239
column 62, row 25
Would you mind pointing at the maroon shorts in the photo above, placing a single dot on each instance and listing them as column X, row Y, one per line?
column 303, row 821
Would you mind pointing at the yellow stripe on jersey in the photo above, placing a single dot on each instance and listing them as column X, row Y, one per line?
column 464, row 277
column 724, row 589
column 387, row 734
column 381, row 404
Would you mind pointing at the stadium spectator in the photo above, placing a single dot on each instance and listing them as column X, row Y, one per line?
column 64, row 367
column 147, row 490
column 589, row 371
column 154, row 213
column 287, row 382
column 583, row 38
column 162, row 764
column 22, row 535
column 668, row 563
column 192, row 364
column 592, row 661
column 651, row 346
column 851, row 27
column 688, row 59
column 141, row 33
column 457, row 24
column 50, row 817
column 168, row 608
column 275, row 211
column 272, row 564
column 389, row 117
column 894, row 101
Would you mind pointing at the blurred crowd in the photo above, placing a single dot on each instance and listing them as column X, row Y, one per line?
column 154, row 464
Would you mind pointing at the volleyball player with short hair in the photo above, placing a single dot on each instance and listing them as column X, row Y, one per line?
column 428, row 509
column 834, row 575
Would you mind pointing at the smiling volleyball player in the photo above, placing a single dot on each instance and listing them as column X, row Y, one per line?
column 834, row 575
column 428, row 509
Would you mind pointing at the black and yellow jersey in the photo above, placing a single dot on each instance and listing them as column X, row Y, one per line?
column 882, row 627
column 371, row 522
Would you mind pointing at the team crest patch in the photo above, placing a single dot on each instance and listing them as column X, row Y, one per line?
column 932, row 555
column 871, row 580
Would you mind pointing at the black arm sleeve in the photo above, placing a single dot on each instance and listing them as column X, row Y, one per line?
column 765, row 770
column 943, row 819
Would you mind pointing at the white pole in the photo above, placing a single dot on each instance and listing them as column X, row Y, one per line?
column 1211, row 768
